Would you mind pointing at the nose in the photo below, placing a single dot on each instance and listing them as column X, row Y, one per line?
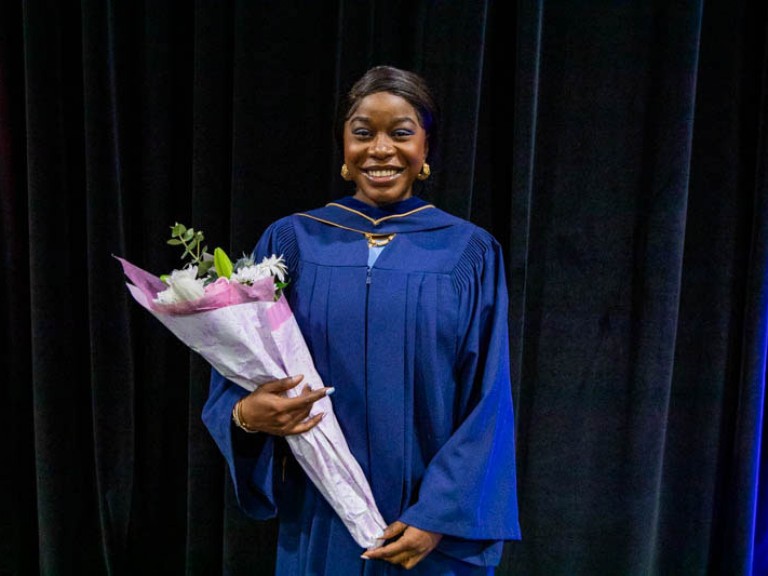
column 381, row 146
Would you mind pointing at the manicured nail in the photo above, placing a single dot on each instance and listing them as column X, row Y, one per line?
column 364, row 557
column 329, row 391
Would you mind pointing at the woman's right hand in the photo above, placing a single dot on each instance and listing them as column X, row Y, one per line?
column 266, row 409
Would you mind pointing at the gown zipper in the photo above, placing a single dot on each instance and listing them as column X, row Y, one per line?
column 365, row 359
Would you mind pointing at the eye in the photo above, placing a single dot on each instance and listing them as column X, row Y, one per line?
column 402, row 133
column 362, row 133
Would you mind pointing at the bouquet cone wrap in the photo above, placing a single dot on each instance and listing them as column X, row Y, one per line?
column 251, row 339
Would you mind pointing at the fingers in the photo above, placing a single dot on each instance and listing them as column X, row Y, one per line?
column 305, row 425
column 394, row 529
column 394, row 553
column 267, row 409
column 409, row 549
column 306, row 396
column 282, row 385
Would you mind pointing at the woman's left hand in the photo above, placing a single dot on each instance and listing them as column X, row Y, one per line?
column 409, row 548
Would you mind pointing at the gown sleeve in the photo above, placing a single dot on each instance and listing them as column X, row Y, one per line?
column 250, row 457
column 468, row 491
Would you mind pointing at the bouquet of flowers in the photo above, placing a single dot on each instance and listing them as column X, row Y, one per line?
column 236, row 317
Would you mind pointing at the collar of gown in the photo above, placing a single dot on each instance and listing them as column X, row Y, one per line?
column 410, row 215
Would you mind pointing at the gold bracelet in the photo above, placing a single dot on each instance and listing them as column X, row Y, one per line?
column 237, row 418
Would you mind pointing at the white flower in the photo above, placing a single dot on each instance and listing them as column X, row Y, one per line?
column 270, row 266
column 183, row 285
column 276, row 266
column 249, row 274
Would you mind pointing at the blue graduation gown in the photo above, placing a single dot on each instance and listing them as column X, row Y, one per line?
column 416, row 346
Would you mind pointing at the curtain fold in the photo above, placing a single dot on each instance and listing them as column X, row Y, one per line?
column 18, row 520
column 55, row 193
column 109, row 337
column 747, row 521
column 616, row 150
column 752, row 516
column 518, row 213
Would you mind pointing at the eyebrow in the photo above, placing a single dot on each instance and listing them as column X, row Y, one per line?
column 397, row 120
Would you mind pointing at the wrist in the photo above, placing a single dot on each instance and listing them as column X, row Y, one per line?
column 237, row 418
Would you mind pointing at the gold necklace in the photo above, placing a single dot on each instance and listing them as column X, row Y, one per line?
column 374, row 240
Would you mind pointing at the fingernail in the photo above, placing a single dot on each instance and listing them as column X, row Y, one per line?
column 364, row 557
column 329, row 391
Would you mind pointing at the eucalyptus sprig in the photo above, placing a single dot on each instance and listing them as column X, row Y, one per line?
column 194, row 249
column 191, row 239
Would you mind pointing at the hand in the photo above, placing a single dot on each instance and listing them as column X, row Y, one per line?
column 410, row 547
column 266, row 409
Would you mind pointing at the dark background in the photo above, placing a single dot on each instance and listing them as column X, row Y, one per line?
column 616, row 149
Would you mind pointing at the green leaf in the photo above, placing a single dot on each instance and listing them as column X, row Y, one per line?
column 178, row 229
column 174, row 242
column 188, row 234
column 203, row 268
column 222, row 262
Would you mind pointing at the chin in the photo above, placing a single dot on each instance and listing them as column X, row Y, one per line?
column 381, row 198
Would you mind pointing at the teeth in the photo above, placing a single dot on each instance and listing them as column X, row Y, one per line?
column 382, row 173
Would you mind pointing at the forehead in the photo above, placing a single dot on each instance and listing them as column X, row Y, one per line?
column 383, row 106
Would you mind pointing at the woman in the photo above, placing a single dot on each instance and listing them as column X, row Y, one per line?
column 404, row 308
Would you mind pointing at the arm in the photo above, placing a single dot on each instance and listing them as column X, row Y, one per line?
column 248, row 456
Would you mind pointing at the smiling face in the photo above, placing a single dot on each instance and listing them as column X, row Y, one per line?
column 385, row 147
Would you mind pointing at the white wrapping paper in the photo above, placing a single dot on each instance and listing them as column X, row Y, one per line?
column 258, row 341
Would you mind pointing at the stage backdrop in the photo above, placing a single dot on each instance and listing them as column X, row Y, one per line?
column 616, row 149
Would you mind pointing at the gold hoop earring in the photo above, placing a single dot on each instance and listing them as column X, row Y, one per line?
column 424, row 173
column 345, row 172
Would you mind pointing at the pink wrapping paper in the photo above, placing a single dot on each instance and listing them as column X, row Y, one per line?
column 252, row 339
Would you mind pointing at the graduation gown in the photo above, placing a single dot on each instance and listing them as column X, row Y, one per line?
column 416, row 345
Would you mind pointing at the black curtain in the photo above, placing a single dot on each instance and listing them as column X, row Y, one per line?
column 618, row 151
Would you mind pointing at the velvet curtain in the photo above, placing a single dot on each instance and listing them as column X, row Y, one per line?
column 616, row 149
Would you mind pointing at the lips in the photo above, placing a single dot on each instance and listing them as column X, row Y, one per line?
column 381, row 173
